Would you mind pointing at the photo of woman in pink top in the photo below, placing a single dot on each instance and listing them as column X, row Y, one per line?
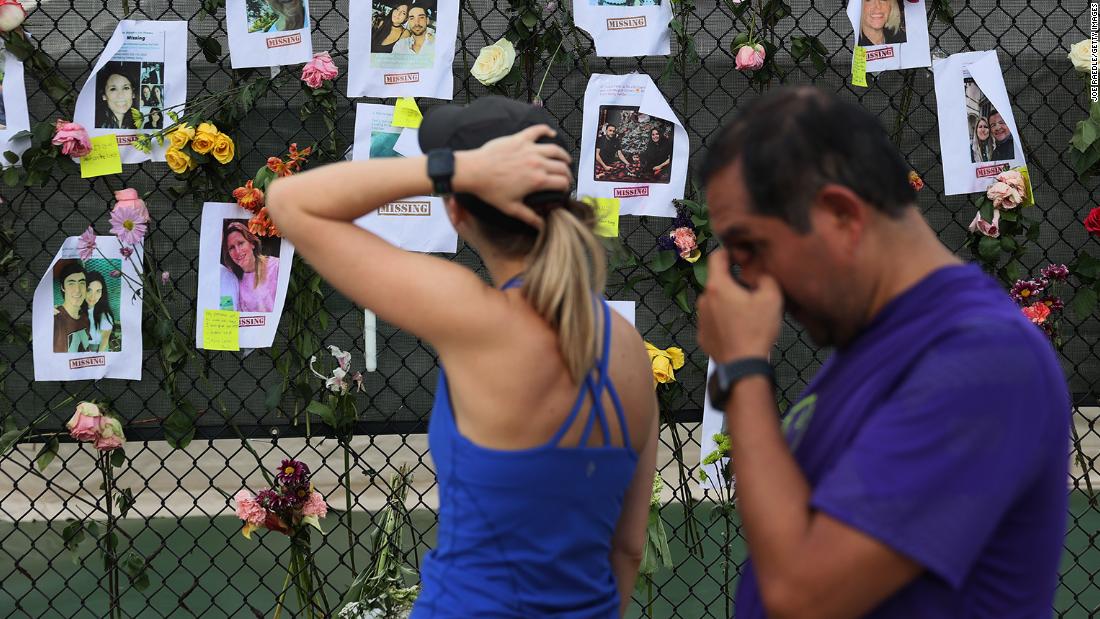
column 257, row 274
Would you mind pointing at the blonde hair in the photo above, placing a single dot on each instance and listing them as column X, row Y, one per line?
column 894, row 21
column 565, row 273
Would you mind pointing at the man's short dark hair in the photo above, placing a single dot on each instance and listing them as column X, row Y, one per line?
column 794, row 140
column 67, row 270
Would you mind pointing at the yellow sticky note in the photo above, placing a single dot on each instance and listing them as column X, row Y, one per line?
column 1029, row 194
column 221, row 330
column 104, row 158
column 607, row 216
column 406, row 114
column 859, row 66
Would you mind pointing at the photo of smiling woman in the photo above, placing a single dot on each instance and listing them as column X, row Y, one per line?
column 116, row 94
column 389, row 28
column 254, row 263
column 882, row 23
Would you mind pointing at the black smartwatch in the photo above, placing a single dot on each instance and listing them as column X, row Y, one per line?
column 441, row 169
column 726, row 376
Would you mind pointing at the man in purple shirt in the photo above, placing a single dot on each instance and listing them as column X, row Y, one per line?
column 923, row 472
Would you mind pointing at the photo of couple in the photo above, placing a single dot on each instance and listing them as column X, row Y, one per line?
column 632, row 147
column 403, row 28
column 882, row 22
column 117, row 90
column 86, row 306
column 249, row 269
column 990, row 136
column 276, row 15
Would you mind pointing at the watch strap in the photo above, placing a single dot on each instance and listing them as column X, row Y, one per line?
column 726, row 375
column 441, row 169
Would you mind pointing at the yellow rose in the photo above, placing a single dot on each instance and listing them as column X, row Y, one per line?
column 223, row 148
column 494, row 62
column 186, row 130
column 1080, row 54
column 210, row 128
column 178, row 139
column 203, row 142
column 664, row 362
column 178, row 161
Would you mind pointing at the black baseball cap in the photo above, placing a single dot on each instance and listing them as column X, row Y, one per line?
column 466, row 127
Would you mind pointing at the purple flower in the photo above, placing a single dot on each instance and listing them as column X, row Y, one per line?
column 1056, row 272
column 267, row 498
column 87, row 244
column 1054, row 303
column 126, row 251
column 165, row 277
column 129, row 222
column 292, row 473
column 1023, row 290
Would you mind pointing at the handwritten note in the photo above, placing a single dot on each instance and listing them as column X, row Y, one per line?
column 607, row 216
column 104, row 158
column 406, row 114
column 859, row 66
column 221, row 330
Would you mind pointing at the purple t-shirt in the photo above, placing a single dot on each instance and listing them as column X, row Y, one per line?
column 943, row 432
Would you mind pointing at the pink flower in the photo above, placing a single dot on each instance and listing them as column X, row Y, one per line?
column 115, row 273
column 750, row 57
column 110, row 435
column 1037, row 313
column 1008, row 192
column 72, row 138
column 343, row 358
column 87, row 244
column 248, row 509
column 86, row 422
column 129, row 218
column 685, row 241
column 315, row 505
column 1025, row 289
column 165, row 277
column 1057, row 272
column 991, row 229
column 319, row 69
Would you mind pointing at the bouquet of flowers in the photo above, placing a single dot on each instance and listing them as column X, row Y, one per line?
column 1038, row 300
column 288, row 507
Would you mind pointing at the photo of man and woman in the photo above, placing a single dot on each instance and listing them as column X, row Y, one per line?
column 276, row 15
column 624, row 2
column 403, row 34
column 152, row 94
column 86, row 306
column 632, row 147
column 249, row 269
column 990, row 136
column 882, row 22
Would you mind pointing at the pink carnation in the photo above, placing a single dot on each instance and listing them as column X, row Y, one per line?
column 319, row 69
column 248, row 509
column 982, row 226
column 750, row 57
column 685, row 241
column 315, row 505
column 86, row 247
column 1037, row 313
column 72, row 138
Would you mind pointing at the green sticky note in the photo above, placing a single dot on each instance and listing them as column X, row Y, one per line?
column 104, row 158
column 406, row 114
column 221, row 330
column 859, row 66
column 607, row 216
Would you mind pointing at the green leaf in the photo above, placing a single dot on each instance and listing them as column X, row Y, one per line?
column 1008, row 243
column 273, row 395
column 42, row 133
column 530, row 19
column 211, row 49
column 47, row 453
column 12, row 176
column 1086, row 267
column 1085, row 134
column 682, row 301
column 700, row 271
column 125, row 500
column 323, row 411
column 1083, row 303
column 663, row 261
column 72, row 535
column 118, row 457
column 9, row 439
column 1015, row 270
column 985, row 207
column 989, row 248
column 11, row 157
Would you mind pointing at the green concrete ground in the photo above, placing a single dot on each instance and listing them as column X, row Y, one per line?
column 201, row 567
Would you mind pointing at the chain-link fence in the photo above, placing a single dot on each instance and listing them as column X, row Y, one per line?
column 179, row 523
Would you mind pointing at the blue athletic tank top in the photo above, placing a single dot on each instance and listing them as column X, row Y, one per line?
column 527, row 532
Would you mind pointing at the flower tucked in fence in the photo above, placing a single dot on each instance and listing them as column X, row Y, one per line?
column 188, row 146
column 89, row 424
column 72, row 138
column 129, row 217
column 665, row 362
column 14, row 12
column 319, row 70
column 915, row 181
column 1038, row 300
column 494, row 62
column 750, row 57
column 1092, row 221
column 683, row 239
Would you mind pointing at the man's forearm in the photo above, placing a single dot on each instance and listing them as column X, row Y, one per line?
column 772, row 494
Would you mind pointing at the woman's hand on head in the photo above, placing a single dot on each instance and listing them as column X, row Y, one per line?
column 505, row 170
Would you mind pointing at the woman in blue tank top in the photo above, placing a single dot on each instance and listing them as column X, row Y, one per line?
column 544, row 428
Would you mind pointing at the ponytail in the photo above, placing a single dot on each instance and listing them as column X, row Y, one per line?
column 565, row 270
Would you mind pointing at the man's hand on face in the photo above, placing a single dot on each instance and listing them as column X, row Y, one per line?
column 734, row 321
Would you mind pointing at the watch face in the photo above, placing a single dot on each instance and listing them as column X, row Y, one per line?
column 714, row 389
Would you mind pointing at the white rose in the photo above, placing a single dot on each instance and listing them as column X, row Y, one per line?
column 1080, row 53
column 12, row 15
column 494, row 62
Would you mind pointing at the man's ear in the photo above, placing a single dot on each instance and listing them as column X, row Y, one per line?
column 841, row 214
column 455, row 213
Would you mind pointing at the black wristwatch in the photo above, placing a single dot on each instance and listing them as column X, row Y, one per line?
column 441, row 169
column 726, row 376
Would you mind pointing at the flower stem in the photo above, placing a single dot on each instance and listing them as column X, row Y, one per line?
column 347, row 504
column 549, row 65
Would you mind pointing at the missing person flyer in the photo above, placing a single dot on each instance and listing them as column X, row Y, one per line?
column 626, row 27
column 268, row 33
column 402, row 49
column 633, row 147
column 141, row 74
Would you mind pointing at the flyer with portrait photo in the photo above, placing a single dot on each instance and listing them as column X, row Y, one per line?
column 400, row 48
column 268, row 33
column 86, row 318
column 13, row 105
column 141, row 74
column 242, row 272
column 894, row 33
column 978, row 134
column 415, row 224
column 626, row 27
column 633, row 147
